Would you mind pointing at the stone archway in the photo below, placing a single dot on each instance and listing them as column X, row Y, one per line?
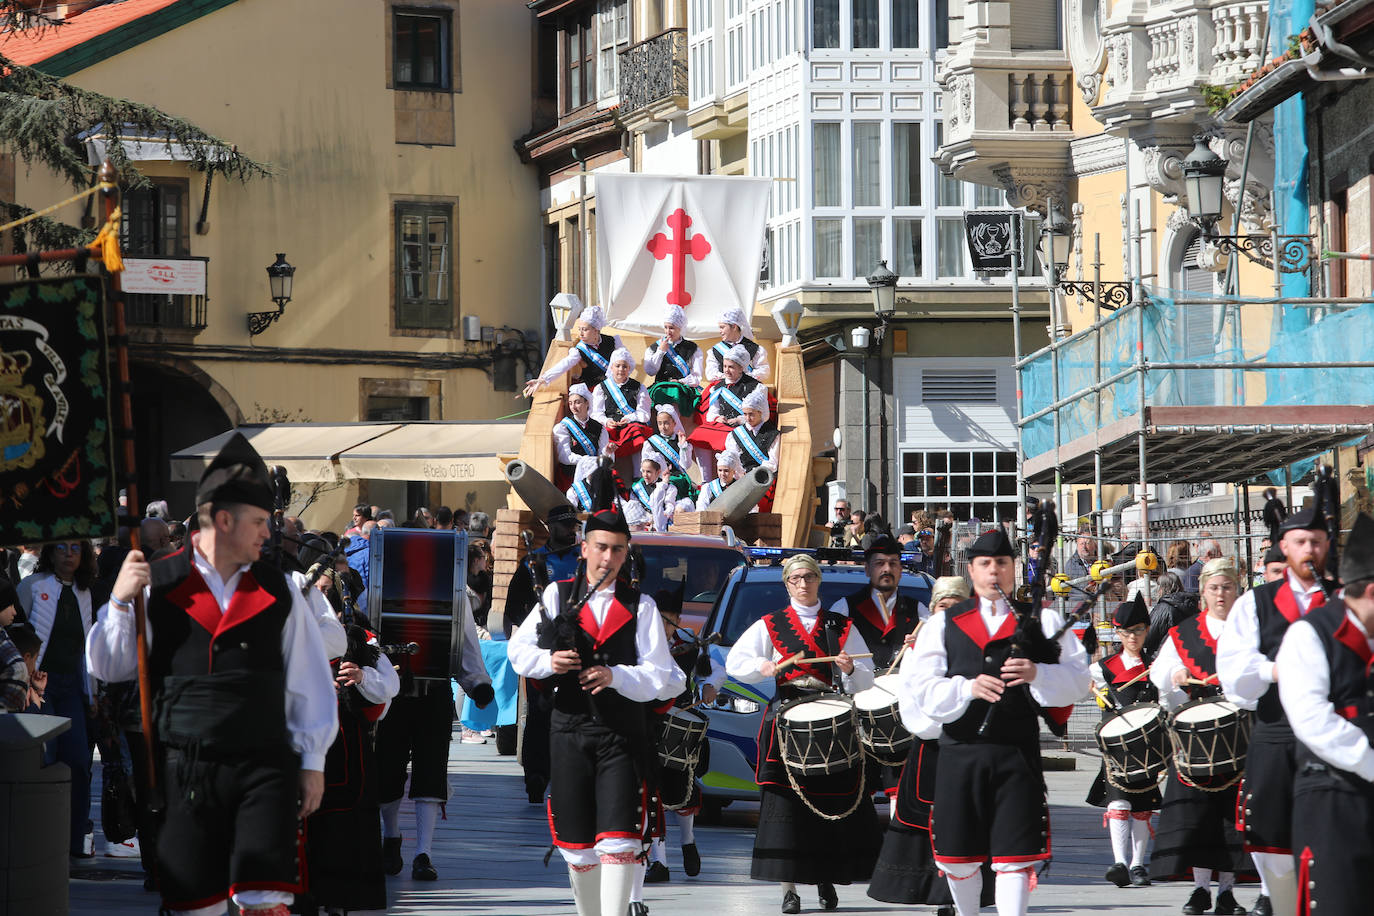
column 176, row 404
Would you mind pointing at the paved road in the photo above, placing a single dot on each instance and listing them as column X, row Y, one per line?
column 490, row 850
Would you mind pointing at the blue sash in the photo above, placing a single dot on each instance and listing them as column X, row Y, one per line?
column 580, row 435
column 746, row 442
column 641, row 493
column 721, row 349
column 664, row 448
column 618, row 396
column 672, row 354
column 723, row 393
column 584, row 496
column 591, row 356
column 714, row 489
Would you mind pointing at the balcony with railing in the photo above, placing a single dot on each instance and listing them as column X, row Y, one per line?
column 165, row 298
column 653, row 79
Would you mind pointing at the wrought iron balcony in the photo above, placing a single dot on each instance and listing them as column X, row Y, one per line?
column 653, row 74
column 165, row 293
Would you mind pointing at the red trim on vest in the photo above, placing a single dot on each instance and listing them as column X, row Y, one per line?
column 1194, row 668
column 373, row 712
column 808, row 640
column 617, row 615
column 249, row 600
column 1116, row 667
column 1347, row 712
column 1349, row 635
column 1305, row 882
column 193, row 596
column 869, row 609
column 1059, row 715
column 1287, row 602
column 976, row 629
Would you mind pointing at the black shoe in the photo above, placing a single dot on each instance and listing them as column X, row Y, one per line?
column 1262, row 907
column 657, row 873
column 829, row 899
column 946, row 911
column 637, row 908
column 1119, row 874
column 691, row 860
column 422, row 870
column 1227, row 906
column 391, row 855
column 1199, row 903
column 1140, row 877
column 791, row 902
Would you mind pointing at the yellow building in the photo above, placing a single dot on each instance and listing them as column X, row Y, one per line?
column 396, row 193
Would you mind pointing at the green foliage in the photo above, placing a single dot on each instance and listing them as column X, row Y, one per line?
column 1294, row 46
column 41, row 117
column 1216, row 97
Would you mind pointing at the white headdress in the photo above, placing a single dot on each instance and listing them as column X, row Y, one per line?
column 737, row 354
column 729, row 459
column 735, row 315
column 758, row 400
column 593, row 317
column 581, row 390
column 671, row 410
column 622, row 355
column 676, row 317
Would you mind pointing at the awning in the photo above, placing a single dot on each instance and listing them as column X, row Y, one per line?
column 320, row 452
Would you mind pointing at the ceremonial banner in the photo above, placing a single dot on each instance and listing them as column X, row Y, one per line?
column 56, row 449
column 992, row 237
column 667, row 240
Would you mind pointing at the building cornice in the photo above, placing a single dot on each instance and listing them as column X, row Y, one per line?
column 1097, row 155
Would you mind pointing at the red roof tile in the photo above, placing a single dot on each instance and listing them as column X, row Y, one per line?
column 34, row 45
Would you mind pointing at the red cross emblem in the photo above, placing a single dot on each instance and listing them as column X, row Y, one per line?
column 680, row 247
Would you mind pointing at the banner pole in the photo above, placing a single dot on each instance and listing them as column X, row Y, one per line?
column 109, row 198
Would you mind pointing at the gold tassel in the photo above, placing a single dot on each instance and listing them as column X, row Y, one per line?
column 106, row 244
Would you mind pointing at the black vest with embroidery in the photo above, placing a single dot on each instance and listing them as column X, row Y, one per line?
column 1117, row 676
column 740, row 389
column 668, row 370
column 592, row 374
column 1273, row 623
column 218, row 678
column 1016, row 720
column 631, row 392
column 593, row 430
column 618, row 648
column 1349, row 658
column 828, row 639
column 884, row 643
column 749, row 346
column 1198, row 652
column 765, row 437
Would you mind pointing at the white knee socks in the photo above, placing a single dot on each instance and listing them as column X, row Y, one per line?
column 658, row 850
column 1225, row 881
column 966, row 893
column 1013, row 892
column 637, row 892
column 1276, row 872
column 618, row 872
column 1120, row 828
column 426, row 816
column 391, row 818
column 586, row 888
column 1202, row 877
column 686, row 825
column 1140, row 842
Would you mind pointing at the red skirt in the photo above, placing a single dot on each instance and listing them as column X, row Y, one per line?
column 631, row 436
column 711, row 434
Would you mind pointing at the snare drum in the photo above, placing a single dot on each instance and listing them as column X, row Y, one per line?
column 681, row 737
column 1210, row 737
column 880, row 724
column 818, row 735
column 1135, row 749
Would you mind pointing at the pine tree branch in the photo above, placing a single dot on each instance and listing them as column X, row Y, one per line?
column 43, row 233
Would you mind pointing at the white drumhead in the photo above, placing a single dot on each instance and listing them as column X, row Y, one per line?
column 1207, row 712
column 815, row 710
column 685, row 714
column 881, row 695
column 1129, row 721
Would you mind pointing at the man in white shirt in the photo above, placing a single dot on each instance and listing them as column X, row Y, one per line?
column 989, row 788
column 245, row 700
column 602, row 653
column 1325, row 685
column 1245, row 663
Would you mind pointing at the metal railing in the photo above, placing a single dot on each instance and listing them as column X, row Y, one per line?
column 157, row 311
column 653, row 70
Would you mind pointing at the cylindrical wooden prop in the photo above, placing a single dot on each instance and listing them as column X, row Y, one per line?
column 534, row 488
column 742, row 495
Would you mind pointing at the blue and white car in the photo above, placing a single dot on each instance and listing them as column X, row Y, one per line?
column 750, row 592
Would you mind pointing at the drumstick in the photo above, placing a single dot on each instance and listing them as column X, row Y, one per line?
column 905, row 645
column 789, row 662
column 1139, row 676
column 835, row 658
column 1194, row 682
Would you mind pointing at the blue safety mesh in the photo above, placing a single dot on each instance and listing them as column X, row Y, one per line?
column 1288, row 18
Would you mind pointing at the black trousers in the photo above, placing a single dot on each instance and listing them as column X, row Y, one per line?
column 990, row 803
column 596, row 791
column 415, row 733
column 1332, row 840
column 230, row 826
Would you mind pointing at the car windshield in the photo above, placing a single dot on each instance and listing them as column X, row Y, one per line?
column 763, row 591
column 703, row 569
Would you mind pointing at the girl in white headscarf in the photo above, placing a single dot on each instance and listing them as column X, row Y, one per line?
column 734, row 330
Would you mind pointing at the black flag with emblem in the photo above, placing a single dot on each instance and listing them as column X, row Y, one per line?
column 992, row 238
column 56, row 446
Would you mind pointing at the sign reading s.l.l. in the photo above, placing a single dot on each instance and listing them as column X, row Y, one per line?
column 993, row 238
column 168, row 276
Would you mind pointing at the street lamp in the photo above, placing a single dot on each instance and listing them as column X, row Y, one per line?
column 1204, row 174
column 787, row 314
column 1056, row 237
column 564, row 307
column 883, row 283
column 280, row 276
column 1204, row 184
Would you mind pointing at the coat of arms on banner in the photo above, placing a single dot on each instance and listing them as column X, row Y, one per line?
column 56, row 450
column 993, row 237
column 687, row 240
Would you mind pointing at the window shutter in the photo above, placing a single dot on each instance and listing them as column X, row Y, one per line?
column 965, row 385
column 1035, row 25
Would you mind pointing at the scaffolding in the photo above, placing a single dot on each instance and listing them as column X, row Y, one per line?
column 1182, row 387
